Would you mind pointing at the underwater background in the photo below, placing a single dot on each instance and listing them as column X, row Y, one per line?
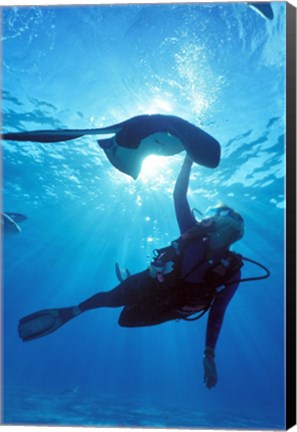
column 220, row 66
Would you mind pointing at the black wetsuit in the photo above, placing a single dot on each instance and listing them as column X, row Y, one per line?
column 147, row 301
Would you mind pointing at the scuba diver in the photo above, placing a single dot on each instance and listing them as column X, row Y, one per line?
column 195, row 274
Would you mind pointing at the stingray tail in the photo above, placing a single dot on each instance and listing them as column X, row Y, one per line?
column 51, row 136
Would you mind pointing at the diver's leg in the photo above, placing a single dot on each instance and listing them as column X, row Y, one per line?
column 128, row 292
column 137, row 289
column 146, row 314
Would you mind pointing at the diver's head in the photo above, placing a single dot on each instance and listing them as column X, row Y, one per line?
column 228, row 226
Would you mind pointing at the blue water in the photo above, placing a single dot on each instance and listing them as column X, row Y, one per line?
column 220, row 66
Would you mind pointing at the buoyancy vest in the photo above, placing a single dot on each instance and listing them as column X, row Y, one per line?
column 169, row 258
column 217, row 267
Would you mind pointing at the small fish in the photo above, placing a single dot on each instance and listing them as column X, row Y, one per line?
column 263, row 9
column 10, row 222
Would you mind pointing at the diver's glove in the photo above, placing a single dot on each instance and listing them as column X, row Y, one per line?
column 210, row 370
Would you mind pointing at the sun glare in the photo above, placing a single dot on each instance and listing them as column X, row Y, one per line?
column 158, row 169
column 154, row 165
column 157, row 105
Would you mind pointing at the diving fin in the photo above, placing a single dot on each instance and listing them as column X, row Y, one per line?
column 43, row 322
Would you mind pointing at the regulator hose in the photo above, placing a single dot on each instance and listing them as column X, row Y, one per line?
column 265, row 276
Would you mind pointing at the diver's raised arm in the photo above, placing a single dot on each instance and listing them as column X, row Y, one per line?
column 184, row 217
